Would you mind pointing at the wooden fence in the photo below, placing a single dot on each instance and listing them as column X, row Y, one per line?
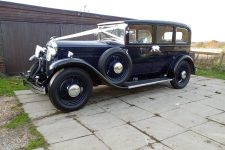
column 24, row 26
column 208, row 59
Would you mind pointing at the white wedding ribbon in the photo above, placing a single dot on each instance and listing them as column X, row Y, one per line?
column 93, row 31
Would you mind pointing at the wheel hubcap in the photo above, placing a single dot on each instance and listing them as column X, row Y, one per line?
column 183, row 74
column 74, row 90
column 118, row 68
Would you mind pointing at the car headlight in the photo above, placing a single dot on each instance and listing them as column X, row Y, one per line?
column 51, row 51
column 38, row 50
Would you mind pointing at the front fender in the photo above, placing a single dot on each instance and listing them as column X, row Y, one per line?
column 76, row 62
column 68, row 62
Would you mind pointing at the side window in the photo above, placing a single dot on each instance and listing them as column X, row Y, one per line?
column 182, row 35
column 140, row 34
column 164, row 34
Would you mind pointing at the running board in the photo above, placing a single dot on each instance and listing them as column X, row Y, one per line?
column 140, row 83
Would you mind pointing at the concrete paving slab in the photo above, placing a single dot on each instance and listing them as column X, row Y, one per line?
column 214, row 82
column 98, row 98
column 153, row 91
column 112, row 105
column 216, row 101
column 50, row 119
column 132, row 96
column 42, row 114
column 124, row 137
column 219, row 97
column 219, row 118
column 62, row 130
column 212, row 130
column 183, row 118
column 192, row 96
column 38, row 106
column 84, row 143
column 214, row 86
column 98, row 95
column 200, row 109
column 132, row 114
column 122, row 114
column 155, row 146
column 39, row 109
column 114, row 92
column 138, row 101
column 29, row 98
column 38, row 149
column 171, row 91
column 23, row 92
column 159, row 127
column 100, row 121
column 192, row 141
column 87, row 111
column 162, row 104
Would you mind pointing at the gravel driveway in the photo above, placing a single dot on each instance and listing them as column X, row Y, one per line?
column 11, row 139
column 155, row 117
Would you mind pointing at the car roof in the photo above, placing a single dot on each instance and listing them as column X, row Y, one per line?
column 156, row 22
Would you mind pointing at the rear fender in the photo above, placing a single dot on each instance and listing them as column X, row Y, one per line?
column 176, row 62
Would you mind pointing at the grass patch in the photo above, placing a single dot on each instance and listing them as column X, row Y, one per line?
column 10, row 84
column 7, row 87
column 19, row 120
column 212, row 73
column 39, row 140
column 22, row 120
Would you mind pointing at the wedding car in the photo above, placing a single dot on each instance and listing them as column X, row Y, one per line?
column 125, row 54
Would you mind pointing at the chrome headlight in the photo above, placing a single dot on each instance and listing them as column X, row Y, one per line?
column 38, row 50
column 51, row 50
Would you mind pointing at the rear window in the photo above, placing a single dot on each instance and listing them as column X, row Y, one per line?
column 182, row 35
column 164, row 34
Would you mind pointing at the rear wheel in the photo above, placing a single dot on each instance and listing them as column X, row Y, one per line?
column 70, row 89
column 182, row 75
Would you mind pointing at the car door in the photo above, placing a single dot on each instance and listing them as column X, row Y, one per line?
column 139, row 45
column 165, row 44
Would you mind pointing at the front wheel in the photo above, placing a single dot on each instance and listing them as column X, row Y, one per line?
column 70, row 89
column 182, row 75
column 33, row 69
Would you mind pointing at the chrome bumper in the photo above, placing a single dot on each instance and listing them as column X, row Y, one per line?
column 36, row 88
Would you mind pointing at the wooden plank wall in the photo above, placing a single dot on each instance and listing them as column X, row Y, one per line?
column 22, row 27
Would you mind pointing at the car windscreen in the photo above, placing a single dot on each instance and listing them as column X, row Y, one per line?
column 114, row 33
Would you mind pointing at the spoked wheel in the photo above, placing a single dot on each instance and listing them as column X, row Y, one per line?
column 182, row 75
column 115, row 65
column 70, row 89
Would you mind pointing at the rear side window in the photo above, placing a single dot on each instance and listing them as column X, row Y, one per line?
column 164, row 34
column 182, row 35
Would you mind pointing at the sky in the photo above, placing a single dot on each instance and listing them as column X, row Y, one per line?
column 205, row 17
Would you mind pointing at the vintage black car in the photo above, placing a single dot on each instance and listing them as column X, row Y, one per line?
column 127, row 54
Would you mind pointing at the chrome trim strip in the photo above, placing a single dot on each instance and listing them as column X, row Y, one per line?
column 32, row 58
column 149, row 83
